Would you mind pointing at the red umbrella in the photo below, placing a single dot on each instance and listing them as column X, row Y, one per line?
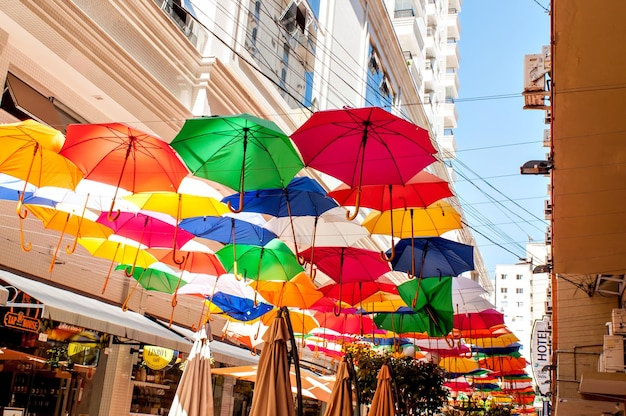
column 346, row 264
column 122, row 156
column 364, row 146
column 347, row 323
column 478, row 320
column 355, row 292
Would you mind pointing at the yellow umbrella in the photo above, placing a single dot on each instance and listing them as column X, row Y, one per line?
column 383, row 403
column 302, row 322
column 382, row 302
column 30, row 152
column 431, row 221
column 299, row 292
column 458, row 365
column 119, row 250
column 78, row 225
column 500, row 341
column 179, row 206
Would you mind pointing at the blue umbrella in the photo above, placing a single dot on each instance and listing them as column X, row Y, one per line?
column 432, row 257
column 241, row 309
column 227, row 230
column 303, row 196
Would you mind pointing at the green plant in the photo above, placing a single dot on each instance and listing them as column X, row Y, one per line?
column 56, row 354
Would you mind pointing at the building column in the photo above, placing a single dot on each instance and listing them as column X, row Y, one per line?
column 228, row 399
column 117, row 390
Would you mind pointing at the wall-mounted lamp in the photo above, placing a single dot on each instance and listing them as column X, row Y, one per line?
column 536, row 167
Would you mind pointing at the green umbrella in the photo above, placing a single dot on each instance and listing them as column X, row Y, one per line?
column 158, row 277
column 431, row 302
column 241, row 151
column 274, row 261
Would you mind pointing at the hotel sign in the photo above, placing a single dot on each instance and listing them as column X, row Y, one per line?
column 541, row 354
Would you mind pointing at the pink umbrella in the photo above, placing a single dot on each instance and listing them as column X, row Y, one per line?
column 145, row 229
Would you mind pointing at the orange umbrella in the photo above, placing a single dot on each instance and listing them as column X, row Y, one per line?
column 458, row 365
column 383, row 403
column 340, row 402
column 272, row 391
column 299, row 292
column 68, row 222
column 302, row 322
column 195, row 389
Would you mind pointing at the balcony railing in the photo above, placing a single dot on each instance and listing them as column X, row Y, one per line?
column 403, row 13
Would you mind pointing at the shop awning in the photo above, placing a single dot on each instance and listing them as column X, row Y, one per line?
column 65, row 306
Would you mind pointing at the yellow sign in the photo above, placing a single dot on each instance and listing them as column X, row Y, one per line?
column 157, row 358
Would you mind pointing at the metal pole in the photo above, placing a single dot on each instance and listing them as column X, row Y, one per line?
column 294, row 356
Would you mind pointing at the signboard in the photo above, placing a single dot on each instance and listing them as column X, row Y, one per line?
column 541, row 354
column 21, row 322
column 158, row 358
column 23, row 317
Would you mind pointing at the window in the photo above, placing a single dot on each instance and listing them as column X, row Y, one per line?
column 378, row 91
column 24, row 102
column 519, row 290
column 294, row 17
column 503, row 277
column 504, row 290
column 519, row 277
column 520, row 304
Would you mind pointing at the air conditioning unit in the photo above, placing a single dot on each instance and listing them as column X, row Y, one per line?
column 619, row 321
column 612, row 357
column 547, row 209
column 546, row 138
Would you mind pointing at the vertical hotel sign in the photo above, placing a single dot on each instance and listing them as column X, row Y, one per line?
column 541, row 354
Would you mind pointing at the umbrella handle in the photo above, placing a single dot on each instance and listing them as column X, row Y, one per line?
column 25, row 247
column 383, row 255
column 20, row 200
column 113, row 216
column 233, row 210
column 131, row 272
column 106, row 281
column 357, row 205
column 18, row 209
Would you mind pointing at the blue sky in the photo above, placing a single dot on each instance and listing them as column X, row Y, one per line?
column 495, row 136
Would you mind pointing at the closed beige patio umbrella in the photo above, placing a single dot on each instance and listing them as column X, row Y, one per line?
column 194, row 395
column 382, row 402
column 340, row 403
column 272, row 390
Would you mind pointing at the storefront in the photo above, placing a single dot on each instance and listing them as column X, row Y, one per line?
column 62, row 353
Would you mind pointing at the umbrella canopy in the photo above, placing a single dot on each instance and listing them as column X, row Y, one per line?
column 299, row 292
column 340, row 402
column 346, row 323
column 241, row 151
column 347, row 264
column 120, row 155
column 239, row 308
column 227, row 230
column 195, row 389
column 432, row 299
column 272, row 391
column 274, row 261
column 194, row 261
column 158, row 277
column 302, row 196
column 364, row 146
column 421, row 191
column 478, row 320
column 458, row 365
column 178, row 205
column 356, row 293
column 302, row 321
column 383, row 403
column 328, row 229
column 503, row 364
column 431, row 221
column 432, row 257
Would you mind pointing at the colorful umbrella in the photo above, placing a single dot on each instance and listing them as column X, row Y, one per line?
column 240, row 308
column 299, row 292
column 194, row 261
column 346, row 264
column 227, row 230
column 458, row 365
column 71, row 223
column 346, row 323
column 302, row 321
column 274, row 261
column 432, row 257
column 364, row 146
column 158, row 277
column 122, row 156
column 356, row 293
column 431, row 221
column 478, row 320
column 241, row 151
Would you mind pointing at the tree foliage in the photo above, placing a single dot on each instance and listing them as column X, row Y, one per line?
column 418, row 385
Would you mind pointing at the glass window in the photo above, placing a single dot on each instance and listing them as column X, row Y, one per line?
column 503, row 277
column 519, row 290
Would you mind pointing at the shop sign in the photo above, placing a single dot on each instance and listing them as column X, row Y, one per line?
column 158, row 358
column 541, row 354
column 21, row 322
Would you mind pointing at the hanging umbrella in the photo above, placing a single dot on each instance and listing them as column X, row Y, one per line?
column 328, row 229
column 478, row 320
column 179, row 206
column 458, row 365
column 383, row 403
column 239, row 308
column 274, row 261
column 364, row 146
column 249, row 334
column 490, row 342
column 272, row 391
column 195, row 389
column 118, row 250
column 194, row 261
column 125, row 157
column 432, row 257
column 302, row 320
column 431, row 221
column 346, row 264
column 382, row 302
column 503, row 364
column 158, row 277
column 299, row 292
column 241, row 151
column 351, row 324
column 11, row 188
column 227, row 230
column 432, row 299
column 340, row 402
column 76, row 224
column 356, row 293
